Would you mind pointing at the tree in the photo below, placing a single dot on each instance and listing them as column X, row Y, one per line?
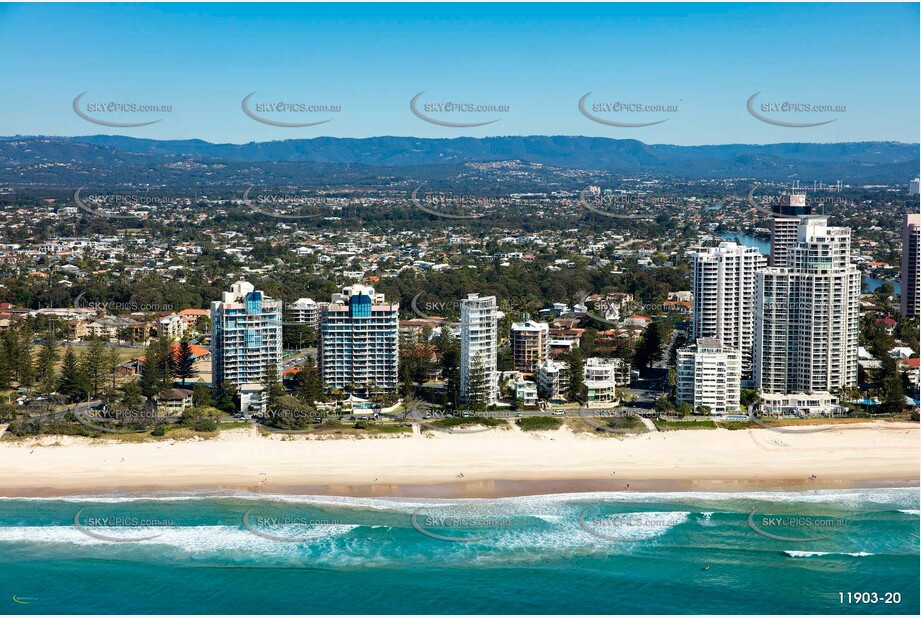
column 274, row 388
column 310, row 388
column 48, row 356
column 6, row 372
column 183, row 361
column 201, row 396
column 132, row 397
column 93, row 365
column 749, row 397
column 893, row 392
column 883, row 295
column 477, row 394
column 155, row 371
column 225, row 399
column 576, row 389
column 72, row 382
column 649, row 349
column 663, row 405
column 112, row 362
column 449, row 349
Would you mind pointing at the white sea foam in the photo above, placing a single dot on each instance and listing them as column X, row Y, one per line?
column 848, row 498
column 810, row 554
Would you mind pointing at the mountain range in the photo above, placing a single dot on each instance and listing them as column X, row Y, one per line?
column 852, row 162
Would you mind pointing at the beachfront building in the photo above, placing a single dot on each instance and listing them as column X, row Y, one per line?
column 526, row 392
column 479, row 345
column 530, row 344
column 304, row 311
column 911, row 265
column 245, row 336
column 807, row 318
column 359, row 341
column 603, row 376
column 709, row 376
column 801, row 404
column 723, row 284
column 553, row 379
column 614, row 370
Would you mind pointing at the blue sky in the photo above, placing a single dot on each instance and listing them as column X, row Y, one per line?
column 539, row 60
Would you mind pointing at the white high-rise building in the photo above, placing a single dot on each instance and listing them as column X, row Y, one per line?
column 709, row 374
column 723, row 284
column 245, row 336
column 807, row 315
column 304, row 311
column 359, row 341
column 911, row 265
column 479, row 344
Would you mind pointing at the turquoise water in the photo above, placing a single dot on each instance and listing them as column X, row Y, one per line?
column 568, row 553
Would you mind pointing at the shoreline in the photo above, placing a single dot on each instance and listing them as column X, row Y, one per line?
column 474, row 490
column 484, row 465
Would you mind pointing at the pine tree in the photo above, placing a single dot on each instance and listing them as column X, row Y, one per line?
column 25, row 363
column 153, row 379
column 274, row 388
column 93, row 365
column 477, row 384
column 47, row 357
column 183, row 365
column 575, row 390
column 73, row 383
column 310, row 387
column 6, row 371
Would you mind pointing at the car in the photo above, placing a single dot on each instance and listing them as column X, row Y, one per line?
column 558, row 413
column 518, row 414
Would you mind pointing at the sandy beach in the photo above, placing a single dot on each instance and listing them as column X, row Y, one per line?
column 244, row 459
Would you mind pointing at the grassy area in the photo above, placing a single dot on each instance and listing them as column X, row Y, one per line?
column 605, row 426
column 450, row 423
column 333, row 427
column 679, row 425
column 539, row 423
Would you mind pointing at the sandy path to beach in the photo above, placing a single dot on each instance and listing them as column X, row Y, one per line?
column 245, row 460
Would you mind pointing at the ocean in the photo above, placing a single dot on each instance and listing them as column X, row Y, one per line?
column 775, row 552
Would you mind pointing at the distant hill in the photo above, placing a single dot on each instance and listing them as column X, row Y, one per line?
column 855, row 162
